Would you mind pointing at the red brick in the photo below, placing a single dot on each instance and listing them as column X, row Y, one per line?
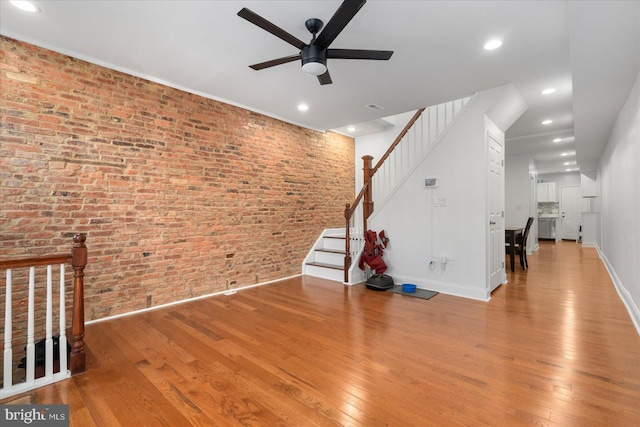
column 147, row 169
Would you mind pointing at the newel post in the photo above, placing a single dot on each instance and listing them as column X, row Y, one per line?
column 347, row 251
column 78, row 262
column 367, row 204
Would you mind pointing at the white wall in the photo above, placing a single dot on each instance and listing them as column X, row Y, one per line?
column 517, row 190
column 520, row 196
column 420, row 232
column 620, row 204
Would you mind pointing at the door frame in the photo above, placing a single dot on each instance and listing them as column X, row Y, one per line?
column 560, row 233
column 495, row 254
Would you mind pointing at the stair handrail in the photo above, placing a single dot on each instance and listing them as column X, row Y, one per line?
column 364, row 195
column 417, row 139
column 401, row 135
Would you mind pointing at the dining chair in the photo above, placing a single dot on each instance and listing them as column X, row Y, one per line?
column 521, row 245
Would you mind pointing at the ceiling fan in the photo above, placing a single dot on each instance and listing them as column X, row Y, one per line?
column 315, row 54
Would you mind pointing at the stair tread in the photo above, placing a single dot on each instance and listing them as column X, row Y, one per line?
column 334, row 236
column 322, row 264
column 333, row 251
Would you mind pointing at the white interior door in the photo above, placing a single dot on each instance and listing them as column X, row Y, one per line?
column 495, row 144
column 570, row 203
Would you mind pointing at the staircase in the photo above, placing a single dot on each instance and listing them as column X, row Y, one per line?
column 326, row 258
column 340, row 247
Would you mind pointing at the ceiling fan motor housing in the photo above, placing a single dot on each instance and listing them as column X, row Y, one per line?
column 313, row 55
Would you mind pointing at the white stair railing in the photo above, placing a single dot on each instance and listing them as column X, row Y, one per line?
column 405, row 154
column 30, row 382
column 418, row 141
column 25, row 276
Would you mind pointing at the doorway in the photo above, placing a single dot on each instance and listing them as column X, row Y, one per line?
column 570, row 202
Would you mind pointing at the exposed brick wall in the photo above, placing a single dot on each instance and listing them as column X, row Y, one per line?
column 180, row 195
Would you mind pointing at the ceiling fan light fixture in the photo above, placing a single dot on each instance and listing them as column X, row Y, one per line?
column 314, row 68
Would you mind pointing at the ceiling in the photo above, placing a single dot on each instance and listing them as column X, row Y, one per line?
column 589, row 51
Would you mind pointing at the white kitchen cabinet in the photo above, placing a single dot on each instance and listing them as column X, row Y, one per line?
column 547, row 192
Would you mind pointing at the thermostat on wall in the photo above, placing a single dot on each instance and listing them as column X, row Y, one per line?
column 430, row 182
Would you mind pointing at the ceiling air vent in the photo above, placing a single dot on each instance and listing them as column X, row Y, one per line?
column 374, row 107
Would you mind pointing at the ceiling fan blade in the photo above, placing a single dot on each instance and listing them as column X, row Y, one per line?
column 274, row 62
column 338, row 21
column 382, row 55
column 325, row 78
column 272, row 28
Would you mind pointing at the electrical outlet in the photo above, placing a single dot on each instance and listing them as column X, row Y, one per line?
column 439, row 202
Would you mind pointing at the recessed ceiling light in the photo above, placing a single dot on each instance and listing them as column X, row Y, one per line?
column 548, row 91
column 351, row 129
column 303, row 107
column 547, row 122
column 27, row 6
column 566, row 163
column 565, row 154
column 557, row 140
column 492, row 44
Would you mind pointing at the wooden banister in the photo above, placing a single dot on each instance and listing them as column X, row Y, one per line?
column 34, row 262
column 78, row 262
column 401, row 135
column 78, row 259
column 347, row 245
column 365, row 193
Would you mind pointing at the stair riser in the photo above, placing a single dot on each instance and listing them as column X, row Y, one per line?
column 325, row 273
column 333, row 244
column 329, row 258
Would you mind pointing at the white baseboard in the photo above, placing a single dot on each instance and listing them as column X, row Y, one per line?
column 155, row 307
column 625, row 296
column 445, row 288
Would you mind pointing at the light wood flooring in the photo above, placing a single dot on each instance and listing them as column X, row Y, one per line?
column 554, row 347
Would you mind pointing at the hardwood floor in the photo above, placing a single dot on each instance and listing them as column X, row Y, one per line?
column 554, row 347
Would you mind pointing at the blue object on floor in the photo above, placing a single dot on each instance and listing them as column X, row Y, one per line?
column 408, row 288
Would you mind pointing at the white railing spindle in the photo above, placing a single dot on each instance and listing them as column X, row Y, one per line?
column 62, row 343
column 8, row 332
column 30, row 327
column 48, row 343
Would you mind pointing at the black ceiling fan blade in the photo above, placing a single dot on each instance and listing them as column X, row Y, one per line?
column 325, row 78
column 338, row 21
column 270, row 27
column 381, row 55
column 274, row 62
